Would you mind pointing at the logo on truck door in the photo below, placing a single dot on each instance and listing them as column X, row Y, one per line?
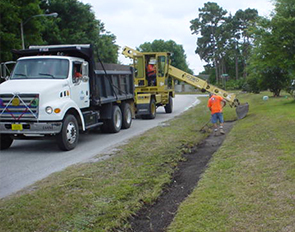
column 82, row 95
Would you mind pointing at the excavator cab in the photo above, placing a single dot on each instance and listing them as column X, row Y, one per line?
column 154, row 87
column 151, row 70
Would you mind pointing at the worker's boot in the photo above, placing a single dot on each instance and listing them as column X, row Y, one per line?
column 215, row 133
column 222, row 131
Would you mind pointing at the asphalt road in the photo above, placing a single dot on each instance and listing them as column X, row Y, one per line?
column 26, row 162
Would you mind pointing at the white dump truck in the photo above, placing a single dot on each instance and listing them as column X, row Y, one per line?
column 58, row 90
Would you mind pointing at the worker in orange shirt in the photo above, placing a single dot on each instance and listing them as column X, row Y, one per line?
column 77, row 74
column 151, row 72
column 215, row 105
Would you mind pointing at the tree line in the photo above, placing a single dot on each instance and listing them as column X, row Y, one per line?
column 75, row 24
column 254, row 51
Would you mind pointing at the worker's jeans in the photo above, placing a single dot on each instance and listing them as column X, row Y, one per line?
column 217, row 117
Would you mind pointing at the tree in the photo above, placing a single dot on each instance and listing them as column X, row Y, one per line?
column 12, row 12
column 272, row 60
column 210, row 25
column 77, row 24
column 245, row 20
column 283, row 26
column 178, row 57
column 224, row 41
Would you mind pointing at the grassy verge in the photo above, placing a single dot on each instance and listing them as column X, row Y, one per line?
column 101, row 196
column 250, row 182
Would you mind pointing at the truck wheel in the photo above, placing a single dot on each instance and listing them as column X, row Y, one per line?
column 152, row 109
column 126, row 116
column 115, row 123
column 68, row 138
column 5, row 141
column 169, row 106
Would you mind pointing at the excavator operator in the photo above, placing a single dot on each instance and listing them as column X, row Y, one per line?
column 151, row 72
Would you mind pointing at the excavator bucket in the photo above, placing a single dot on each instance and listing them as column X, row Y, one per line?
column 242, row 110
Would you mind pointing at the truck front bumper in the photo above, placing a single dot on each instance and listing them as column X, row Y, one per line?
column 34, row 128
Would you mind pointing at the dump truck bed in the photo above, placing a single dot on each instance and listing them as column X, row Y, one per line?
column 112, row 82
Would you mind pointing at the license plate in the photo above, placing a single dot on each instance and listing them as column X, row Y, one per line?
column 16, row 127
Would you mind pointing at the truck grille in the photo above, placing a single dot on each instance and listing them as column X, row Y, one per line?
column 19, row 106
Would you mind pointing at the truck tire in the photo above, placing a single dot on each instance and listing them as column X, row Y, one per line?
column 169, row 107
column 5, row 141
column 115, row 123
column 126, row 115
column 152, row 110
column 68, row 138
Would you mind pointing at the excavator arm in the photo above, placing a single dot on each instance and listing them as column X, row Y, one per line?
column 202, row 85
column 130, row 53
column 241, row 110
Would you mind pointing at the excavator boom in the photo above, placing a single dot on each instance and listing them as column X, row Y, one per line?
column 201, row 84
column 130, row 53
column 241, row 110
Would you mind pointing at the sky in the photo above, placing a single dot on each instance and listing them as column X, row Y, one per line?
column 135, row 22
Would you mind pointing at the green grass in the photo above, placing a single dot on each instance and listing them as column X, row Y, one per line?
column 101, row 196
column 250, row 182
column 248, row 186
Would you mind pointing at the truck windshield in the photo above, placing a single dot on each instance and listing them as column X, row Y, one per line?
column 50, row 68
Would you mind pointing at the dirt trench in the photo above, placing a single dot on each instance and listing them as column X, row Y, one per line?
column 157, row 217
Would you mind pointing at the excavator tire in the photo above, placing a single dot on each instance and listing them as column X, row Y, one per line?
column 169, row 106
column 152, row 110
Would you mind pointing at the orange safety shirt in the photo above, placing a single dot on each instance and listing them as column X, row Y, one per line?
column 77, row 74
column 151, row 70
column 214, row 103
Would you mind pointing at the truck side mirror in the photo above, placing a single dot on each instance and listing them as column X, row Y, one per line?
column 85, row 69
column 85, row 78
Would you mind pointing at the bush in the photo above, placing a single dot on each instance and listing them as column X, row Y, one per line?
column 235, row 84
column 291, row 89
column 252, row 85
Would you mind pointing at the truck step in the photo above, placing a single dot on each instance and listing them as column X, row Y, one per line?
column 93, row 125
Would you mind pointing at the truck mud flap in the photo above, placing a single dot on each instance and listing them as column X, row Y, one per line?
column 143, row 109
column 242, row 110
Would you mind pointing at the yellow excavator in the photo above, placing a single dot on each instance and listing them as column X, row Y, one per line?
column 152, row 91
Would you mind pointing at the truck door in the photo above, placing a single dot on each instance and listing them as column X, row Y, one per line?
column 80, row 84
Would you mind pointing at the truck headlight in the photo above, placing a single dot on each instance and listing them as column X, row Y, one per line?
column 49, row 110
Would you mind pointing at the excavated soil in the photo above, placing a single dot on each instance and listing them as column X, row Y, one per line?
column 157, row 217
